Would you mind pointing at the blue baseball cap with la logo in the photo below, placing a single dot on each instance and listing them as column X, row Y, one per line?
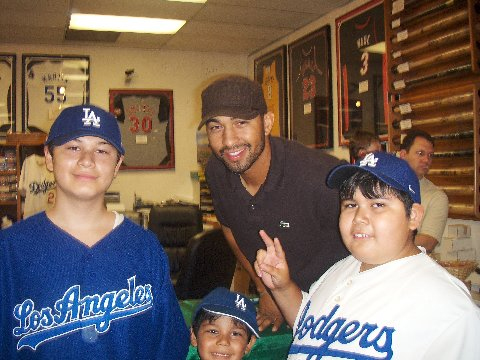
column 390, row 169
column 222, row 301
column 85, row 120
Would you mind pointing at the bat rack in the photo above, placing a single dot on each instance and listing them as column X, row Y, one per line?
column 433, row 61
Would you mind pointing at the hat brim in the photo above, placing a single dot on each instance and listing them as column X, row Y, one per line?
column 238, row 113
column 227, row 311
column 60, row 140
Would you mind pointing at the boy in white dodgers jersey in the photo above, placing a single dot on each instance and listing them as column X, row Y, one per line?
column 78, row 281
column 388, row 300
column 224, row 325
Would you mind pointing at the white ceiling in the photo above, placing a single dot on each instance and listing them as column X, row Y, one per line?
column 227, row 26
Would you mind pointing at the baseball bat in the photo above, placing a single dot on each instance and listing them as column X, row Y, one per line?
column 421, row 29
column 458, row 190
column 441, row 120
column 461, row 209
column 435, row 103
column 438, row 120
column 443, row 55
column 455, row 136
column 454, row 171
column 450, row 154
column 436, row 42
column 418, row 80
column 422, row 10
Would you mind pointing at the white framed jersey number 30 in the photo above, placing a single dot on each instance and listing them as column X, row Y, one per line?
column 50, row 84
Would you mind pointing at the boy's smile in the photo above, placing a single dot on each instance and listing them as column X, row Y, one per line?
column 377, row 231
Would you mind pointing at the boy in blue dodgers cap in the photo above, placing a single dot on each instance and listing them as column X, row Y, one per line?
column 224, row 325
column 78, row 281
column 388, row 299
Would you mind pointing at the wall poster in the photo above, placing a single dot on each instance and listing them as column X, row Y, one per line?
column 7, row 93
column 361, row 72
column 50, row 84
column 145, row 118
column 311, row 120
column 271, row 73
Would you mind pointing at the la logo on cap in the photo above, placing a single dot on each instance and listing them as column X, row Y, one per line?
column 369, row 160
column 89, row 118
column 240, row 303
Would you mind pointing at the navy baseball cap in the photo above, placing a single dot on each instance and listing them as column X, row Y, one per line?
column 85, row 120
column 222, row 301
column 390, row 169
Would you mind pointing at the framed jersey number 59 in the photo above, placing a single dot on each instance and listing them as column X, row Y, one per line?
column 51, row 83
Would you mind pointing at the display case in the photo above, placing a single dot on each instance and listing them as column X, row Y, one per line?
column 12, row 153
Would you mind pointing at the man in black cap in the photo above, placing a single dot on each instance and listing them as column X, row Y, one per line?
column 261, row 182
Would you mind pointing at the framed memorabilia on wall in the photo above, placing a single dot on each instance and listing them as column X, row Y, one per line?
column 311, row 120
column 50, row 84
column 271, row 72
column 145, row 118
column 361, row 72
column 7, row 93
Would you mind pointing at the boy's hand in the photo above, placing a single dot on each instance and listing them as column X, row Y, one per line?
column 268, row 313
column 271, row 265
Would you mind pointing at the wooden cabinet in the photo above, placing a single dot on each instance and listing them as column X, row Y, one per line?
column 12, row 153
column 433, row 49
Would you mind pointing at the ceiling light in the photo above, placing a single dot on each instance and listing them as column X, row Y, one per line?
column 124, row 24
column 191, row 1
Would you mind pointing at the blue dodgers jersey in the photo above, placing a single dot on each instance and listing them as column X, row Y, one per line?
column 62, row 299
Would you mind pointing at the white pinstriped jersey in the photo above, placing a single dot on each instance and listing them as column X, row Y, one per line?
column 44, row 82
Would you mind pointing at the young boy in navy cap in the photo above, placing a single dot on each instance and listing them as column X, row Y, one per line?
column 388, row 299
column 78, row 281
column 224, row 326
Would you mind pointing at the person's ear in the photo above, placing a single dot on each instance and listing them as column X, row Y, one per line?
column 416, row 216
column 250, row 344
column 117, row 167
column 48, row 158
column 193, row 338
column 268, row 120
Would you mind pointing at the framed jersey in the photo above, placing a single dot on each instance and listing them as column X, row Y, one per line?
column 145, row 118
column 361, row 72
column 7, row 93
column 311, row 119
column 51, row 83
column 271, row 73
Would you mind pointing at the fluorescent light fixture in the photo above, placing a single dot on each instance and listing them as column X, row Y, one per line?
column 191, row 1
column 124, row 24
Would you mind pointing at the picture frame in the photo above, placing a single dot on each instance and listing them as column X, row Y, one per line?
column 7, row 93
column 362, row 72
column 310, row 83
column 51, row 83
column 146, row 122
column 271, row 73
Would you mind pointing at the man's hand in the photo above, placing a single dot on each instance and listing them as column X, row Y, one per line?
column 268, row 313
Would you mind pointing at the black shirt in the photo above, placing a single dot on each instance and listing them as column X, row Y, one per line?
column 294, row 204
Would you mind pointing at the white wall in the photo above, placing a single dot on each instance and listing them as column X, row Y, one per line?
column 186, row 73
